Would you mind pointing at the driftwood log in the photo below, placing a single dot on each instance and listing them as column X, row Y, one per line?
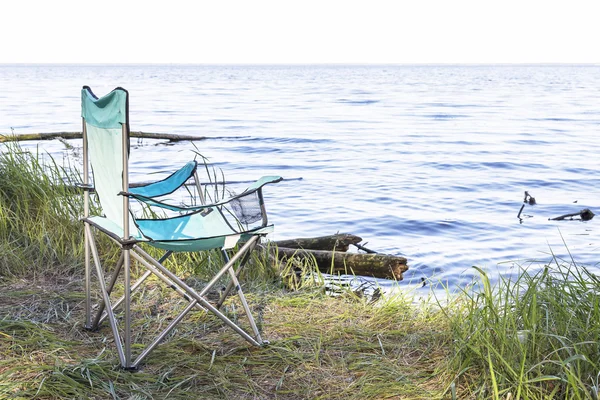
column 334, row 262
column 329, row 253
column 76, row 135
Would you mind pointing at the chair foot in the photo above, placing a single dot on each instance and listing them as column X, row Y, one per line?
column 265, row 343
column 90, row 328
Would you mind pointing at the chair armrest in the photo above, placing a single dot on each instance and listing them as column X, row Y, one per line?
column 85, row 187
column 256, row 186
column 265, row 180
column 167, row 185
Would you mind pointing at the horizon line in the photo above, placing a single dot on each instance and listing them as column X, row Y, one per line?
column 298, row 64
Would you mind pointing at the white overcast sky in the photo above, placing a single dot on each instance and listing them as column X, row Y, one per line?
column 305, row 31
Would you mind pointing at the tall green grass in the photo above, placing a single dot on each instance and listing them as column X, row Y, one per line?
column 536, row 336
column 39, row 228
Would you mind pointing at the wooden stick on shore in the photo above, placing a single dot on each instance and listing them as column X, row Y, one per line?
column 77, row 135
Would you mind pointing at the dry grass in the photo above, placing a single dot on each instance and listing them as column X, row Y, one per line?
column 321, row 348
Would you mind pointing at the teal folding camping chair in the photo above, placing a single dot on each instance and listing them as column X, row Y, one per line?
column 226, row 225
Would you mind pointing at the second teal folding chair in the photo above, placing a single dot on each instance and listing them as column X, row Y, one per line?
column 234, row 226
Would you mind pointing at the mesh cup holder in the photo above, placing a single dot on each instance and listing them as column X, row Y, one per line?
column 247, row 209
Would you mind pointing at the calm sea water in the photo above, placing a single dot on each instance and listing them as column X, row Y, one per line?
column 429, row 162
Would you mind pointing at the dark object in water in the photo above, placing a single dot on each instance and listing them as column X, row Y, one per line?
column 584, row 215
column 529, row 199
column 520, row 211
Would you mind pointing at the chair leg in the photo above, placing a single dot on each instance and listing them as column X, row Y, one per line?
column 111, row 285
column 106, row 297
column 124, row 339
column 237, row 273
column 153, row 265
column 88, row 278
column 134, row 287
column 245, row 304
column 127, row 306
column 229, row 262
column 120, row 301
column 163, row 334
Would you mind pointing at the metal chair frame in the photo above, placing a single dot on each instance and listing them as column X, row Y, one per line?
column 131, row 250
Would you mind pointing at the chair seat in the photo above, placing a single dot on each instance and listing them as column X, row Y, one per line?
column 195, row 232
column 198, row 231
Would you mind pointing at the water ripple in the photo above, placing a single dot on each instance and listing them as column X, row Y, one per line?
column 357, row 102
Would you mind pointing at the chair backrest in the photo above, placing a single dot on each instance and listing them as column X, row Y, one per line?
column 106, row 149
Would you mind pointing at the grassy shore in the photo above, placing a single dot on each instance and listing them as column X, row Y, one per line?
column 536, row 336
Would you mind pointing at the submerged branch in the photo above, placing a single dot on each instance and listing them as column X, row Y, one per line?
column 585, row 215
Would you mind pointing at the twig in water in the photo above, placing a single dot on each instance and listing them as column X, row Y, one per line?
column 363, row 248
column 521, row 210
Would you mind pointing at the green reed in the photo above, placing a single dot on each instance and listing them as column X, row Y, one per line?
column 39, row 228
column 535, row 336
